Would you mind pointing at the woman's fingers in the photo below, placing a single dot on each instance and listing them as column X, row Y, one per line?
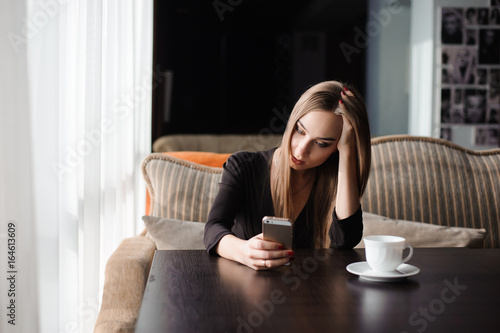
column 261, row 264
column 258, row 242
column 345, row 94
column 270, row 254
column 347, row 138
column 346, row 124
column 264, row 254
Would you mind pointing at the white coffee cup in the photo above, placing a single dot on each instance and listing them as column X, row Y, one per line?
column 385, row 253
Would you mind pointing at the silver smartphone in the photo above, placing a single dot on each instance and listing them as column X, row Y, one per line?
column 277, row 229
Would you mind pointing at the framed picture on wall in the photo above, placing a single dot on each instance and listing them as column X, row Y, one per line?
column 468, row 83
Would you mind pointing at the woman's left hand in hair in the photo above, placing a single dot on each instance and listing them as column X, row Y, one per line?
column 348, row 202
column 347, row 141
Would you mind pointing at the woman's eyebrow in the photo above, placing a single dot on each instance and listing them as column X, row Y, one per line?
column 324, row 139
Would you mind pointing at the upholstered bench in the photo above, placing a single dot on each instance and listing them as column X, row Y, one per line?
column 428, row 190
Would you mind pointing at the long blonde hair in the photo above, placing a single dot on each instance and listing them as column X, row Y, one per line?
column 323, row 96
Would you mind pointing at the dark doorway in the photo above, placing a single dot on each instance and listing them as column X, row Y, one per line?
column 229, row 66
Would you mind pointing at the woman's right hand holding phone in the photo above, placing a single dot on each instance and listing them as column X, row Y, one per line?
column 256, row 253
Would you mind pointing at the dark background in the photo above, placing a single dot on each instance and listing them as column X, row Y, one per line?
column 233, row 68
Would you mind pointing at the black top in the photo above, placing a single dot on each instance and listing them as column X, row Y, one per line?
column 244, row 198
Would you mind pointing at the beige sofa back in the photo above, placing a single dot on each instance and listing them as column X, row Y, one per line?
column 412, row 178
column 431, row 180
column 217, row 143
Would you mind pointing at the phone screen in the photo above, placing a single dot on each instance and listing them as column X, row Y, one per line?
column 278, row 230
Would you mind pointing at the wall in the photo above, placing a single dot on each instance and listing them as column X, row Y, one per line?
column 387, row 66
column 400, row 90
column 424, row 118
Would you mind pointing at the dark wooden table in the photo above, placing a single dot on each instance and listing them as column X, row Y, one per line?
column 457, row 290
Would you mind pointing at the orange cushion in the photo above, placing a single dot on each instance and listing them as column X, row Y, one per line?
column 199, row 157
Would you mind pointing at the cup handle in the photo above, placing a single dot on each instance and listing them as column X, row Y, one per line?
column 408, row 257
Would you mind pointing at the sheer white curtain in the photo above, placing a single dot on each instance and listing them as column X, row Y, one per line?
column 75, row 127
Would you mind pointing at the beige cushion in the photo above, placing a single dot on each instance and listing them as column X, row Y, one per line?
column 420, row 234
column 171, row 234
column 180, row 189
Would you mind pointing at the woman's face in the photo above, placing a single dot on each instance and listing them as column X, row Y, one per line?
column 474, row 106
column 489, row 37
column 462, row 58
column 451, row 24
column 314, row 139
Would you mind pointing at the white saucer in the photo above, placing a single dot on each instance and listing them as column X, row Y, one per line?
column 363, row 270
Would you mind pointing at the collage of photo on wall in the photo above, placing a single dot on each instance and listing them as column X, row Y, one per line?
column 470, row 72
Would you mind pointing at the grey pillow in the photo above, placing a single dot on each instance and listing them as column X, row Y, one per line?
column 420, row 234
column 172, row 234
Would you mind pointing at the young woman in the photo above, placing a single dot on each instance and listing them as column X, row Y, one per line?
column 315, row 178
